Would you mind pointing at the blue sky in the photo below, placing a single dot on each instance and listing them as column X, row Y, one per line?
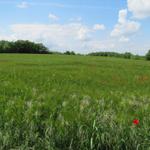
column 79, row 25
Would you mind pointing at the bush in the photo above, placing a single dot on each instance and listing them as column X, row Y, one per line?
column 148, row 55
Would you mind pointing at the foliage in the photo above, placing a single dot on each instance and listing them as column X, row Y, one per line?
column 21, row 46
column 127, row 55
column 112, row 54
column 55, row 102
column 69, row 53
column 148, row 55
column 137, row 57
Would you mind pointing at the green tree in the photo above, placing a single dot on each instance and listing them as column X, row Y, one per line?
column 148, row 55
column 69, row 53
column 22, row 46
column 127, row 55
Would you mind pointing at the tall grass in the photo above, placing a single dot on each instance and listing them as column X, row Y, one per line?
column 73, row 103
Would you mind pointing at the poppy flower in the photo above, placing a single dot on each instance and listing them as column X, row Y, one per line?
column 136, row 121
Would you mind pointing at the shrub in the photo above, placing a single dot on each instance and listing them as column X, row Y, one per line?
column 148, row 55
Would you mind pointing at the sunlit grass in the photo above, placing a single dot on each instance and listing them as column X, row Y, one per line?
column 57, row 102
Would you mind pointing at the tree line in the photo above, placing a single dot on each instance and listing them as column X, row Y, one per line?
column 25, row 46
column 127, row 55
column 22, row 46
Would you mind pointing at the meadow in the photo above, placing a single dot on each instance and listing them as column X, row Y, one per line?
column 60, row 102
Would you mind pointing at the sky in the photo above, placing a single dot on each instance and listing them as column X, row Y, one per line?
column 80, row 25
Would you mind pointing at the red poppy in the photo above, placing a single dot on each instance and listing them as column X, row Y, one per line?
column 136, row 121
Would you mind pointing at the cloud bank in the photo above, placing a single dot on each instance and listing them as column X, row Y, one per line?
column 71, row 36
column 139, row 8
column 124, row 28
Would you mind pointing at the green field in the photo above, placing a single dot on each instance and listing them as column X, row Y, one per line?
column 52, row 102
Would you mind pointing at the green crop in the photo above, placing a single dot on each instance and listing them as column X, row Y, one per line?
column 58, row 102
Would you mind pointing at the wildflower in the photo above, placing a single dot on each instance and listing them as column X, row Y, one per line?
column 135, row 121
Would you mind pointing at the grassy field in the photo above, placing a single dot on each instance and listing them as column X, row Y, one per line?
column 52, row 102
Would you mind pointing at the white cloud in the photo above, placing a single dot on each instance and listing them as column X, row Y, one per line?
column 72, row 31
column 53, row 17
column 124, row 39
column 8, row 37
column 83, row 33
column 139, row 8
column 71, row 36
column 99, row 27
column 124, row 28
column 56, row 36
column 23, row 5
column 97, row 45
column 122, row 16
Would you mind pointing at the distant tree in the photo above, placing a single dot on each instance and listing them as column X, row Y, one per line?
column 127, row 55
column 4, row 46
column 72, row 53
column 69, row 53
column 148, row 55
column 22, row 46
column 112, row 54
